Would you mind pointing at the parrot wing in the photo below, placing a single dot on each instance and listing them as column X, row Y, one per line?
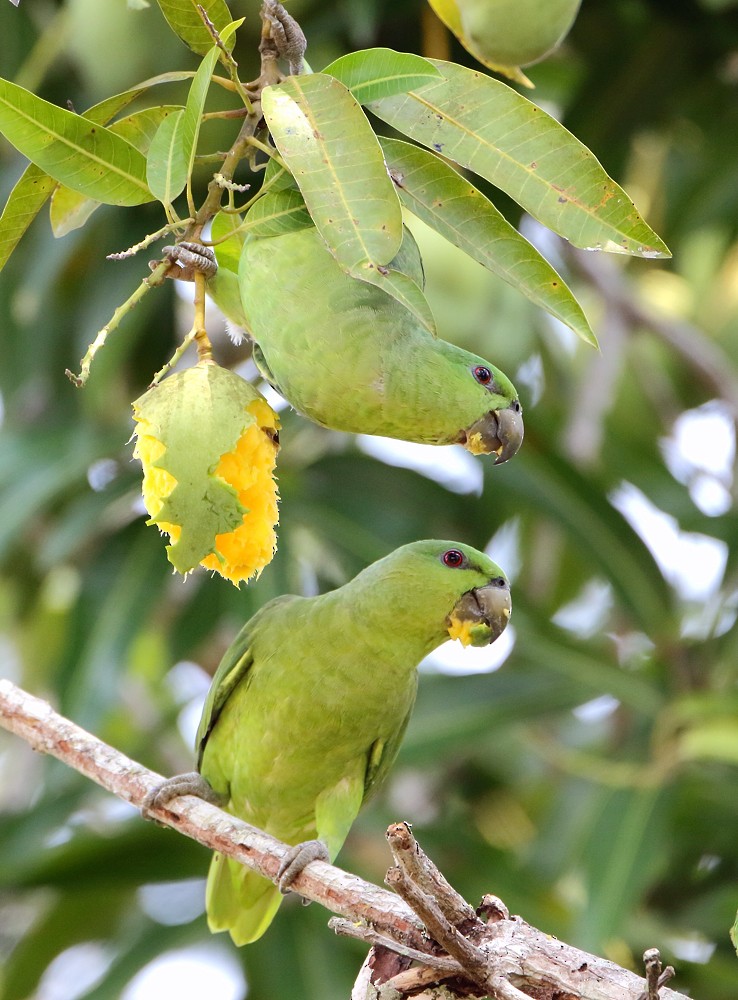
column 382, row 756
column 264, row 370
column 232, row 670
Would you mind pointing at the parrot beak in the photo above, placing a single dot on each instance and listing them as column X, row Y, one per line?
column 499, row 431
column 481, row 615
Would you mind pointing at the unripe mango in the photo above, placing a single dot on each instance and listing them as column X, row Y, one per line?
column 516, row 32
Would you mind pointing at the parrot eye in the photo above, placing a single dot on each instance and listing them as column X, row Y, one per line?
column 453, row 558
column 516, row 406
column 482, row 374
column 499, row 582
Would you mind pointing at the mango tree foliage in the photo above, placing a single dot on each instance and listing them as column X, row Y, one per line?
column 590, row 780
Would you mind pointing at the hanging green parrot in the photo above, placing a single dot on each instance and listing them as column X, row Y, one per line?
column 350, row 357
column 309, row 704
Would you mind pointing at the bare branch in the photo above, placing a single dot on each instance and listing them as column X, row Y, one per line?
column 37, row 723
column 515, row 957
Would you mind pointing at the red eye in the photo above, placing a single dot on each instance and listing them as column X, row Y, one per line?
column 482, row 374
column 453, row 558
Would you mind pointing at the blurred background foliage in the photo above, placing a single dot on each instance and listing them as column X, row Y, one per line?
column 591, row 781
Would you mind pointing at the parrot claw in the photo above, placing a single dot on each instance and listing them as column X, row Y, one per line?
column 191, row 783
column 297, row 859
column 287, row 35
column 187, row 258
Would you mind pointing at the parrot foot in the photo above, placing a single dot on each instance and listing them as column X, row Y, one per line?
column 187, row 258
column 298, row 858
column 287, row 35
column 191, row 783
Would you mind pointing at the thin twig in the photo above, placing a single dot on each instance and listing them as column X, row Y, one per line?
column 155, row 278
column 656, row 977
column 147, row 241
column 362, row 932
column 228, row 59
column 471, row 958
column 421, row 870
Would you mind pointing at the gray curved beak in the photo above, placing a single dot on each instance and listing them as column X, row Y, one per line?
column 499, row 432
column 487, row 608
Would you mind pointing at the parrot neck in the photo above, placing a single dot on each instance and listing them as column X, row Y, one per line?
column 429, row 396
column 388, row 614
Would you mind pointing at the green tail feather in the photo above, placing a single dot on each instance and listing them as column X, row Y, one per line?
column 239, row 901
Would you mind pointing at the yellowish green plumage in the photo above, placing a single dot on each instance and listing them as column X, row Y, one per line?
column 350, row 357
column 309, row 705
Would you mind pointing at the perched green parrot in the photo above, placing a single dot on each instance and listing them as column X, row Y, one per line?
column 350, row 357
column 309, row 704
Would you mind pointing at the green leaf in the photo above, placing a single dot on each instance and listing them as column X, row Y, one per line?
column 34, row 186
column 486, row 126
column 278, row 212
column 83, row 155
column 332, row 152
column 69, row 209
column 400, row 287
column 166, row 166
column 620, row 849
column 24, row 203
column 228, row 242
column 172, row 153
column 194, row 108
column 185, row 21
column 376, row 73
column 434, row 192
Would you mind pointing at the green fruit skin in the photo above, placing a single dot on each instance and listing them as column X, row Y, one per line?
column 517, row 32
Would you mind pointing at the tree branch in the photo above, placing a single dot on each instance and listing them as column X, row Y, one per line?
column 516, row 957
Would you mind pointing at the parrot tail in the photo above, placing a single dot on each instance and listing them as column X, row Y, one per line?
column 238, row 900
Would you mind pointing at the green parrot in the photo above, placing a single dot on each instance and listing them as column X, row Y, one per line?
column 309, row 704
column 350, row 357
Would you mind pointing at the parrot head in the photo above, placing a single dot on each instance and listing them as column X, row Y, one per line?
column 498, row 429
column 457, row 591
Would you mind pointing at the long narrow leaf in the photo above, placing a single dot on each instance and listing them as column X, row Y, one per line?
column 166, row 166
column 86, row 157
column 69, row 209
column 438, row 195
column 194, row 108
column 331, row 150
column 112, row 106
column 375, row 73
column 278, row 212
column 24, row 203
column 486, row 126
column 34, row 186
column 184, row 19
column 402, row 288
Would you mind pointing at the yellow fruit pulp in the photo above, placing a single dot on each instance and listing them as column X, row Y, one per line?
column 249, row 469
column 460, row 630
